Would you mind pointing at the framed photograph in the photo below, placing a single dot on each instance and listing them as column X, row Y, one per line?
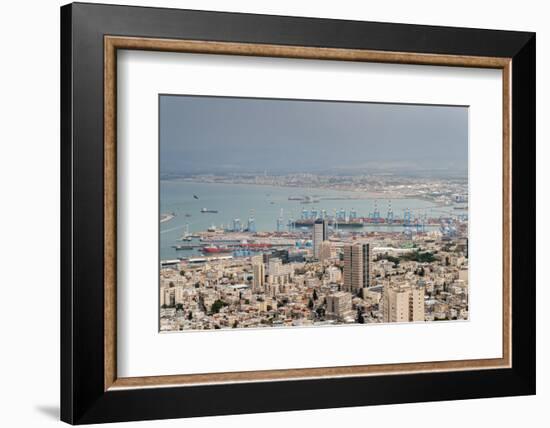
column 266, row 213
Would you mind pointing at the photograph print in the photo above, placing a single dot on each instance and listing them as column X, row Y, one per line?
column 281, row 213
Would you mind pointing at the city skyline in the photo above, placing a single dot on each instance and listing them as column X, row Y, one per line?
column 289, row 213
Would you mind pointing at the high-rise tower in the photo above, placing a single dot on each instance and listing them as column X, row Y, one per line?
column 357, row 266
column 258, row 272
column 320, row 234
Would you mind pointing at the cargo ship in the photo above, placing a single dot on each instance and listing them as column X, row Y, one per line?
column 256, row 246
column 309, row 200
column 212, row 249
column 206, row 210
column 182, row 247
column 340, row 224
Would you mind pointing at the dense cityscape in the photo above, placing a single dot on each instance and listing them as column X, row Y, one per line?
column 291, row 212
column 323, row 268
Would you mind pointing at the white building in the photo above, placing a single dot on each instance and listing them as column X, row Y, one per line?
column 339, row 304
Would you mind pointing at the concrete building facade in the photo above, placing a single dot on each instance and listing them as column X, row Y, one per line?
column 320, row 234
column 403, row 303
column 339, row 304
column 357, row 267
column 258, row 274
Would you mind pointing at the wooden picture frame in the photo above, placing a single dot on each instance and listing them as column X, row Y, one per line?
column 91, row 390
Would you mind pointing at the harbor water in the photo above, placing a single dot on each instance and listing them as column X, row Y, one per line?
column 265, row 203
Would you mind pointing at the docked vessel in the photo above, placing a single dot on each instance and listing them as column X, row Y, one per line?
column 213, row 249
column 341, row 224
column 256, row 246
column 309, row 200
column 182, row 247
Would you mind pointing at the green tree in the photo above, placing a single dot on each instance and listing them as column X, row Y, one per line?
column 392, row 259
column 217, row 305
column 417, row 256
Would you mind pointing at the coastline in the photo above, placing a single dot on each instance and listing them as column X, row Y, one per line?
column 167, row 217
column 361, row 194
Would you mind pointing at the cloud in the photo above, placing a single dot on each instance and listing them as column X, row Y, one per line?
column 200, row 134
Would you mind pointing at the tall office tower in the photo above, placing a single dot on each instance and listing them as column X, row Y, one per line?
column 357, row 267
column 320, row 234
column 258, row 274
column 403, row 303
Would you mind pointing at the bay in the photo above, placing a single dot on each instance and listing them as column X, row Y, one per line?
column 265, row 203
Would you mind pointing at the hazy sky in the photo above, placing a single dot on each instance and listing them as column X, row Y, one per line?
column 218, row 134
